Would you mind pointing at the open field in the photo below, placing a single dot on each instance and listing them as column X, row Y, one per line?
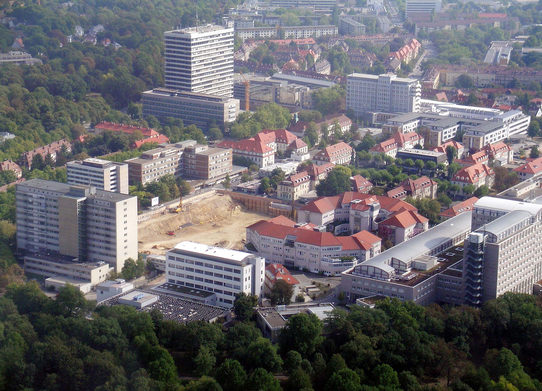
column 217, row 220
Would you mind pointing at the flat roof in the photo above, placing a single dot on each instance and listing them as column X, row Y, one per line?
column 72, row 190
column 384, row 75
column 208, row 28
column 503, row 223
column 507, row 205
column 212, row 252
column 303, row 80
column 424, row 242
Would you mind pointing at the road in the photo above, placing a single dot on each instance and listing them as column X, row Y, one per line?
column 429, row 51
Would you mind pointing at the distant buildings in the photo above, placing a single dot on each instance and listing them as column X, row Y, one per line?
column 16, row 57
column 49, row 149
column 200, row 60
column 499, row 53
column 414, row 7
column 350, row 26
column 148, row 135
column 294, row 187
column 8, row 165
column 386, row 93
column 56, row 221
column 461, row 207
column 296, row 32
column 213, row 269
column 316, row 5
column 103, row 174
column 254, row 150
column 405, row 54
column 399, row 140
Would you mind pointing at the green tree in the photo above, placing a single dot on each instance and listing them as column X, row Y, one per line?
column 204, row 361
column 481, row 191
column 337, row 181
column 243, row 306
column 281, row 293
column 205, row 383
column 301, row 333
column 468, row 189
column 451, row 153
column 261, row 380
column 535, row 153
column 231, row 375
column 344, row 380
column 298, row 380
column 292, row 361
column 328, row 100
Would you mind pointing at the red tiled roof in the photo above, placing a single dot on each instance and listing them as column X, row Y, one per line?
column 282, row 220
column 360, row 182
column 326, row 204
column 459, row 208
column 279, row 272
column 247, row 145
column 301, row 41
column 532, row 167
column 404, row 219
column 473, row 174
column 159, row 139
column 128, row 129
column 452, row 143
column 315, row 170
column 297, row 144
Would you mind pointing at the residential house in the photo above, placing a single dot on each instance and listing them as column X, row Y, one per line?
column 8, row 165
column 529, row 169
column 360, row 185
column 49, row 149
column 402, row 226
column 461, row 207
column 477, row 175
column 399, row 140
column 256, row 151
column 294, row 186
column 275, row 272
column 339, row 153
column 422, row 187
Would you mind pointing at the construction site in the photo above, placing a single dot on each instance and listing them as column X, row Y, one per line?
column 215, row 219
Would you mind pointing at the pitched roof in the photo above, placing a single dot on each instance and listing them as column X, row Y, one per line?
column 128, row 129
column 297, row 144
column 340, row 148
column 473, row 174
column 324, row 205
column 404, row 219
column 359, row 182
column 159, row 139
column 414, row 184
column 459, row 208
column 279, row 272
column 532, row 167
column 247, row 145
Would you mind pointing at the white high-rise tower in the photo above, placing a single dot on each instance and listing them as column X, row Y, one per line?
column 200, row 59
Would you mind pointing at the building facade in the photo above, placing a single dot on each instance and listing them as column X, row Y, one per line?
column 193, row 108
column 383, row 93
column 200, row 59
column 427, row 7
column 213, row 269
column 77, row 221
column 102, row 174
column 340, row 153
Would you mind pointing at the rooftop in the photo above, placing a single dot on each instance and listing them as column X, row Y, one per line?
column 506, row 205
column 78, row 191
column 203, row 250
column 208, row 28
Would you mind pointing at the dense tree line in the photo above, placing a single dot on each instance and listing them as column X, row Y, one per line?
column 68, row 344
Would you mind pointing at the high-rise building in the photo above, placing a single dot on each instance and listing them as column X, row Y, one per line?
column 414, row 7
column 504, row 254
column 385, row 93
column 103, row 174
column 81, row 222
column 213, row 269
column 200, row 59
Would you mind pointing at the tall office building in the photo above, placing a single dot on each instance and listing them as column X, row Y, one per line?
column 414, row 7
column 103, row 174
column 80, row 222
column 200, row 59
column 385, row 93
column 505, row 253
column 219, row 270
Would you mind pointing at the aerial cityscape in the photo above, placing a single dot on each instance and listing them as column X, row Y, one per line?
column 271, row 195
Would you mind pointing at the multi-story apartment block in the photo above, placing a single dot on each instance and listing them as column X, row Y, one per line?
column 78, row 221
column 202, row 162
column 350, row 26
column 340, row 153
column 385, row 93
column 295, row 32
column 503, row 255
column 154, row 164
column 427, row 7
column 19, row 58
column 193, row 108
column 222, row 271
column 102, row 174
column 185, row 158
column 421, row 154
column 317, row 5
column 294, row 186
column 200, row 59
column 283, row 241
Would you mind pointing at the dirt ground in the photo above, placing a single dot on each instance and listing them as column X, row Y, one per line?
column 217, row 220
